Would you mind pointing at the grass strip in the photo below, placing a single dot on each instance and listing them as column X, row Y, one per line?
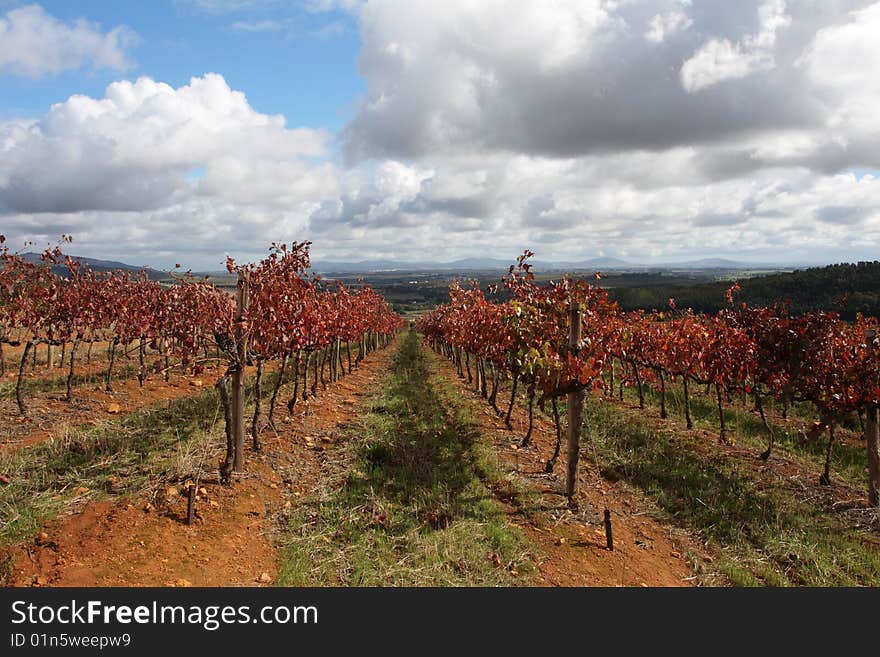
column 415, row 506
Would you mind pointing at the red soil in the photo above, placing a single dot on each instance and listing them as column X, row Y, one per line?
column 118, row 543
column 570, row 546
column 115, row 543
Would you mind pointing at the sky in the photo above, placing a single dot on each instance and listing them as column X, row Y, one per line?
column 180, row 131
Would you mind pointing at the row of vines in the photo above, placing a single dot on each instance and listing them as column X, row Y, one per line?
column 762, row 352
column 281, row 313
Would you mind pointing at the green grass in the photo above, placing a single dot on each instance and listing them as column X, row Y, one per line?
column 168, row 441
column 767, row 533
column 125, row 455
column 849, row 460
column 416, row 504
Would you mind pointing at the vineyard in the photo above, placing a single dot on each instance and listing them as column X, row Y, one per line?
column 567, row 337
column 365, row 462
column 278, row 313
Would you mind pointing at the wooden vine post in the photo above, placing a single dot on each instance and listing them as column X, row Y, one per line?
column 190, row 504
column 575, row 410
column 872, row 437
column 241, row 304
column 609, row 534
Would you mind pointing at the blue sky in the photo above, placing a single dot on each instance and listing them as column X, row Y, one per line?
column 652, row 130
column 302, row 64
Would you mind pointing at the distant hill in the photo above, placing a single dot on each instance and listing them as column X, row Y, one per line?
column 463, row 264
column 590, row 264
column 475, row 263
column 96, row 264
column 844, row 288
column 472, row 264
column 713, row 263
column 608, row 263
column 496, row 264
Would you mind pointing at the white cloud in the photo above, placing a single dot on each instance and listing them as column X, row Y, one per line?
column 638, row 205
column 331, row 30
column 662, row 26
column 351, row 6
column 34, row 43
column 476, row 138
column 133, row 148
column 842, row 62
column 720, row 59
column 258, row 26
column 459, row 74
column 226, row 6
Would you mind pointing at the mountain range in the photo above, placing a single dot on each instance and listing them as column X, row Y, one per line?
column 493, row 264
column 463, row 264
column 96, row 264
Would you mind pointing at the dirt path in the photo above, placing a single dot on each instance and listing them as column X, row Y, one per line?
column 571, row 546
column 232, row 543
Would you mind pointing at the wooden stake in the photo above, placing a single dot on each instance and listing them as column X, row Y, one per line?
column 18, row 383
column 575, row 411
column 241, row 304
column 226, row 463
column 190, row 505
column 258, row 406
column 69, row 394
column 609, row 536
column 872, row 436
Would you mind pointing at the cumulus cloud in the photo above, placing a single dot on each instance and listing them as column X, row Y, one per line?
column 577, row 78
column 131, row 149
column 154, row 165
column 381, row 200
column 34, row 43
column 594, row 205
column 491, row 127
column 574, row 78
column 257, row 26
column 641, row 104
column 662, row 26
column 720, row 59
column 842, row 62
column 226, row 6
column 318, row 6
